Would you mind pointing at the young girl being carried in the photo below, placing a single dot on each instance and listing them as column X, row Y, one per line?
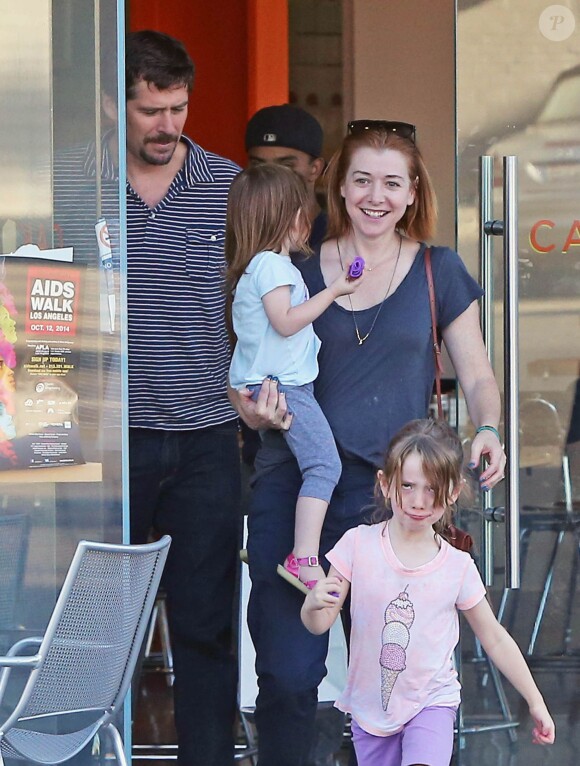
column 272, row 319
column 408, row 584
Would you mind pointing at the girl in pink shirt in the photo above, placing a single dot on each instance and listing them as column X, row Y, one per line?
column 407, row 584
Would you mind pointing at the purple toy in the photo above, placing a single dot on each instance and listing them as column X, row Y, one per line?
column 356, row 267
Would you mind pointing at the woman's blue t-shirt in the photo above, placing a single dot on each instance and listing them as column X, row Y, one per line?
column 369, row 391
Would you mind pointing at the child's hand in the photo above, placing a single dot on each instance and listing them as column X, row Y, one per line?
column 544, row 732
column 324, row 594
column 345, row 285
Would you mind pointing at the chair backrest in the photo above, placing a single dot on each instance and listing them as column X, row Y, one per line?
column 93, row 638
column 540, row 424
column 14, row 534
column 543, row 455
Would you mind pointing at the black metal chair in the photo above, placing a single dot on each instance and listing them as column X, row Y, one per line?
column 551, row 510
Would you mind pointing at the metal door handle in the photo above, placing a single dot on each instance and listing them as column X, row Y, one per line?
column 495, row 514
column 511, row 371
column 486, row 231
column 508, row 228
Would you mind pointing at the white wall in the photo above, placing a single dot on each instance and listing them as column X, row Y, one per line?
column 399, row 62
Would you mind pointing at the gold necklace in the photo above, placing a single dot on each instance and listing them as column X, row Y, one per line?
column 361, row 338
column 372, row 268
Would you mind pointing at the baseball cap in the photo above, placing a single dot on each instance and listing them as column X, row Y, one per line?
column 285, row 125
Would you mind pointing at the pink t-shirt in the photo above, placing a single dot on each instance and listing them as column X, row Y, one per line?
column 405, row 627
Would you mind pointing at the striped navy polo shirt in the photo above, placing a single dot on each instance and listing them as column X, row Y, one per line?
column 75, row 214
column 178, row 346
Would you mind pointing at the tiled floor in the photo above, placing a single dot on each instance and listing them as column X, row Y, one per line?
column 560, row 685
column 153, row 718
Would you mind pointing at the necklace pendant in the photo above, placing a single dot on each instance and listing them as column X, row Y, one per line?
column 361, row 339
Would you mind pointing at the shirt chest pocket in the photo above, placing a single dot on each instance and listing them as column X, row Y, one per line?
column 204, row 257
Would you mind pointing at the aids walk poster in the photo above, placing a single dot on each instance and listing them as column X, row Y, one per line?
column 39, row 361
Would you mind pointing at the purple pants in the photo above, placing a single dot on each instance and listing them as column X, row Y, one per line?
column 426, row 739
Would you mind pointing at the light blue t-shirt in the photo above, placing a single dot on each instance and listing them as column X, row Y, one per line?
column 260, row 350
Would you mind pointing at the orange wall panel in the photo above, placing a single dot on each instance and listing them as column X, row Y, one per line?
column 240, row 49
column 215, row 36
column 268, row 64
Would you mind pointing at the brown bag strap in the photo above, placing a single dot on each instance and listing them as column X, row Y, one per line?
column 459, row 539
column 455, row 536
column 436, row 346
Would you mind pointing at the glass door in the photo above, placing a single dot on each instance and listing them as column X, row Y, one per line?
column 518, row 95
column 61, row 327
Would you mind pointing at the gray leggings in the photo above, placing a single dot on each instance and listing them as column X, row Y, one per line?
column 311, row 442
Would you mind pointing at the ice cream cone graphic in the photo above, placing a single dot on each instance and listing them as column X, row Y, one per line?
column 399, row 616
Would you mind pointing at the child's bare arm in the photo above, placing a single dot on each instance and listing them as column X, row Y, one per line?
column 323, row 604
column 506, row 655
column 288, row 320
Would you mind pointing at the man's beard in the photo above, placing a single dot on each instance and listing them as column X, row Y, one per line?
column 162, row 138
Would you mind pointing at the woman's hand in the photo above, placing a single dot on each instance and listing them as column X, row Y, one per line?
column 269, row 410
column 486, row 445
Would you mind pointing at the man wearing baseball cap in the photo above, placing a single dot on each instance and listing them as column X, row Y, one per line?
column 290, row 136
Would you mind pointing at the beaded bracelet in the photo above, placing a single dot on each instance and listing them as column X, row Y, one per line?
column 488, row 428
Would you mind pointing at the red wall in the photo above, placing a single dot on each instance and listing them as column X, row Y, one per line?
column 240, row 50
column 215, row 34
column 268, row 59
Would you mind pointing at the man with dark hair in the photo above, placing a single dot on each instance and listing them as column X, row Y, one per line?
column 183, row 449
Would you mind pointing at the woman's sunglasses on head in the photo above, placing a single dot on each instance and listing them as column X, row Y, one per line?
column 403, row 129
